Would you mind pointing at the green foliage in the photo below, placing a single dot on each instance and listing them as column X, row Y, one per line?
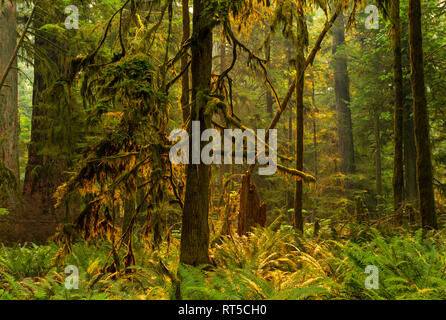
column 26, row 261
column 265, row 264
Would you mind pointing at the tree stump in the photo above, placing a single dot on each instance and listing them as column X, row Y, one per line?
column 252, row 213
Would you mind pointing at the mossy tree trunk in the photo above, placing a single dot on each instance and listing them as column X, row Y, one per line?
column 299, row 151
column 398, row 165
column 410, row 151
column 342, row 93
column 269, row 96
column 44, row 172
column 378, row 165
column 185, row 94
column 224, row 168
column 421, row 119
column 9, row 123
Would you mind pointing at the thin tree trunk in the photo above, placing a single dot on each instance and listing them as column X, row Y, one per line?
column 184, row 60
column 300, row 70
column 290, row 191
column 421, row 119
column 315, row 159
column 410, row 156
column 342, row 93
column 410, row 150
column 224, row 168
column 378, row 169
column 269, row 97
column 398, row 167
column 195, row 227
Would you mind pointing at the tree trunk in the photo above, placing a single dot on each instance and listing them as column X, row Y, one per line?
column 398, row 168
column 184, row 60
column 195, row 228
column 410, row 156
column 378, row 169
column 290, row 191
column 224, row 168
column 421, row 119
column 269, row 97
column 300, row 72
column 410, row 151
column 342, row 93
column 44, row 173
column 9, row 123
column 315, row 155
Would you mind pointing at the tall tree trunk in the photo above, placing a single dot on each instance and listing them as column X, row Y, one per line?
column 9, row 123
column 300, row 74
column 315, row 159
column 421, row 119
column 195, row 228
column 410, row 151
column 398, row 167
column 224, row 168
column 184, row 60
column 342, row 93
column 290, row 191
column 44, row 173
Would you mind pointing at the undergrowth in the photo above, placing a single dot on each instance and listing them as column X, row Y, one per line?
column 266, row 264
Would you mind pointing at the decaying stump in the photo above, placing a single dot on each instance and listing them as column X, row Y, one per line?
column 252, row 213
column 361, row 211
column 316, row 228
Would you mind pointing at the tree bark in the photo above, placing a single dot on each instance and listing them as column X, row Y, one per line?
column 398, row 166
column 421, row 119
column 378, row 169
column 44, row 173
column 9, row 122
column 300, row 70
column 269, row 97
column 184, row 100
column 290, row 191
column 410, row 156
column 195, row 228
column 224, row 168
column 342, row 93
column 315, row 154
column 410, row 151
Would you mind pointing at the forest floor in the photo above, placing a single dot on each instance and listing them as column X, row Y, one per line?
column 271, row 263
